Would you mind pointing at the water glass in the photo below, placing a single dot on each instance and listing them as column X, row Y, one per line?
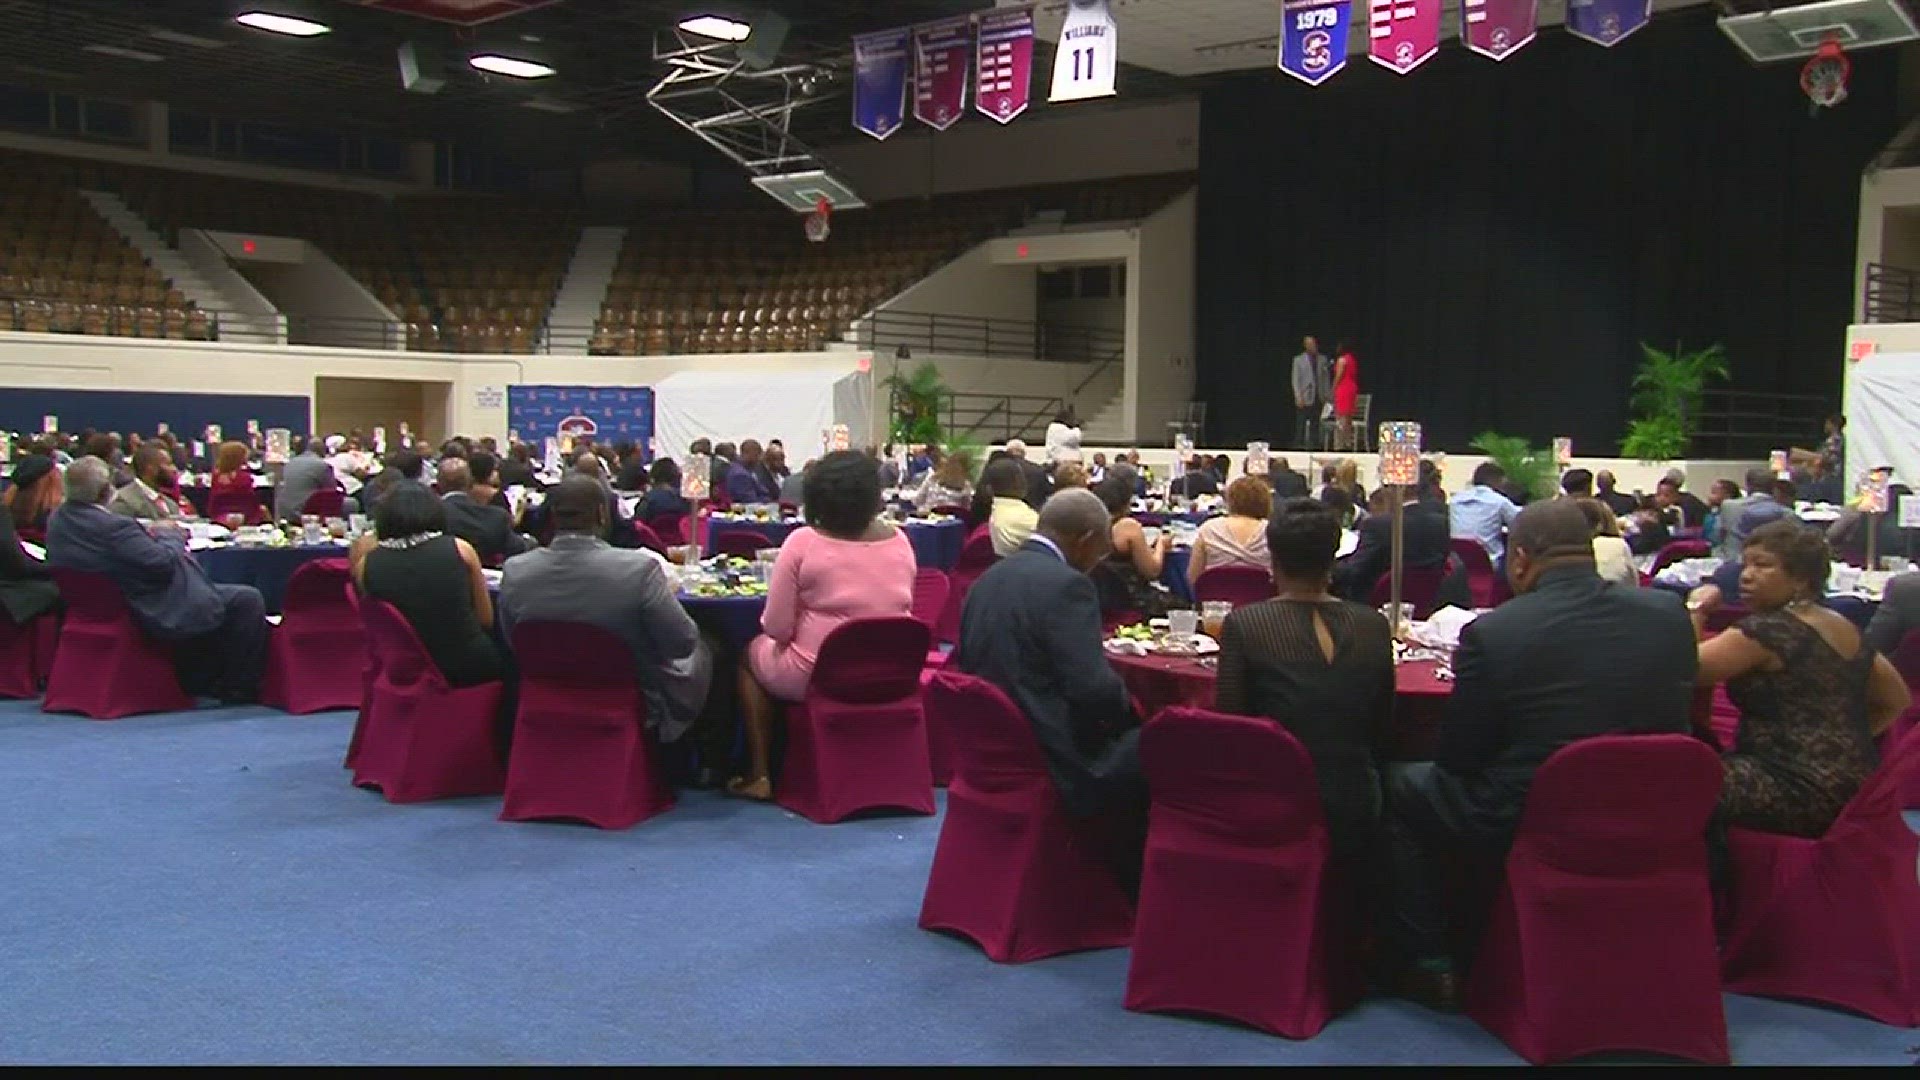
column 235, row 522
column 683, row 554
column 337, row 528
column 1401, row 625
column 310, row 531
column 1181, row 625
column 1213, row 615
column 356, row 524
column 766, row 556
column 1893, row 564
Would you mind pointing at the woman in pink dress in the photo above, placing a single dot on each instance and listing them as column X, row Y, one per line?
column 846, row 564
column 1346, row 393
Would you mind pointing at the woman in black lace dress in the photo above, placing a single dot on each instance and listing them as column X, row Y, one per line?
column 1812, row 694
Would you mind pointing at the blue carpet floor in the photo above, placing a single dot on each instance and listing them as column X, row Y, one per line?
column 207, row 887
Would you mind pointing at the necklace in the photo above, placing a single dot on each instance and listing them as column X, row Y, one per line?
column 402, row 543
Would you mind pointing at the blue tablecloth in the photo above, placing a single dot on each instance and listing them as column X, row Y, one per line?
column 735, row 618
column 935, row 544
column 1173, row 574
column 264, row 568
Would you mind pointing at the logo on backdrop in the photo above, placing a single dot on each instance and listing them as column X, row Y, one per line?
column 1498, row 28
column 568, row 412
column 576, row 426
column 940, row 71
column 1402, row 34
column 1004, row 56
column 1087, row 54
column 1607, row 22
column 880, row 81
column 1313, row 38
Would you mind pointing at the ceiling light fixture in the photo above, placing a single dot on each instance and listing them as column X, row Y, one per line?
column 717, row 26
column 281, row 24
column 507, row 65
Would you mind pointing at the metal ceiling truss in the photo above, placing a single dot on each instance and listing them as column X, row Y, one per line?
column 744, row 112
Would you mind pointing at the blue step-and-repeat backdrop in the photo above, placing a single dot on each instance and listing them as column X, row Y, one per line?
column 608, row 413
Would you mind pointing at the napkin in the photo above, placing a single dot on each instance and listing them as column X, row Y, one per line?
column 492, row 576
column 1442, row 629
column 1128, row 646
column 34, row 550
column 1688, row 572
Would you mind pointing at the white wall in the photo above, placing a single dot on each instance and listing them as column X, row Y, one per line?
column 258, row 319
column 325, row 305
column 1880, row 238
column 1160, row 373
column 1048, row 145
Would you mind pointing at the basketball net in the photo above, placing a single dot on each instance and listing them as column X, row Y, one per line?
column 1824, row 78
column 817, row 225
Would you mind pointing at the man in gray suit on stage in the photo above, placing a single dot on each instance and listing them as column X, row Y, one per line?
column 1312, row 389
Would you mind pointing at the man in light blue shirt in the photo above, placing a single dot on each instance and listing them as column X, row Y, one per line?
column 1482, row 513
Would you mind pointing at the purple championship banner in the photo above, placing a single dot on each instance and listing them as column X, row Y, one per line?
column 1607, row 22
column 1498, row 28
column 1313, row 38
column 1403, row 34
column 880, row 81
column 1004, row 82
column 940, row 71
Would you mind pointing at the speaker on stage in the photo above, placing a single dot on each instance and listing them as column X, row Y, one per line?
column 768, row 34
column 421, row 74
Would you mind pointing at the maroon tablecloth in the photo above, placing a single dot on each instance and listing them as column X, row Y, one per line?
column 1419, row 705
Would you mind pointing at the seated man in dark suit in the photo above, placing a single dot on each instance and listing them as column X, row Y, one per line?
column 1286, row 483
column 1898, row 613
column 1197, row 480
column 1427, row 538
column 745, row 481
column 1543, row 670
column 487, row 528
column 1031, row 626
column 581, row 578
column 219, row 631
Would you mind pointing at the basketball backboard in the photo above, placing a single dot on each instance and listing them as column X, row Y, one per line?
column 1791, row 32
column 801, row 192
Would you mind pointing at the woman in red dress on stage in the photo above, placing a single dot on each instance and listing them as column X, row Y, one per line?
column 1346, row 391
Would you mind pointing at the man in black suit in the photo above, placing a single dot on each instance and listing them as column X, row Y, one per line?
column 1197, row 480
column 488, row 528
column 1427, row 535
column 1286, row 483
column 1617, row 501
column 1543, row 670
column 1031, row 626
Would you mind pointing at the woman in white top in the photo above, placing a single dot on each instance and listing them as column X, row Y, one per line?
column 1239, row 538
column 1010, row 520
column 947, row 485
column 1063, row 437
column 1611, row 556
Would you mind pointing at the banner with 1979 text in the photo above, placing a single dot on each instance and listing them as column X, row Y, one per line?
column 1313, row 38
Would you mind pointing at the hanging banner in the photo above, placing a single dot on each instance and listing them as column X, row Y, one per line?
column 880, row 81
column 1606, row 22
column 1403, row 34
column 1313, row 38
column 1004, row 82
column 1087, row 54
column 1498, row 28
column 940, row 71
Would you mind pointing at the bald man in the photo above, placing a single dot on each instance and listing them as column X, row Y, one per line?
column 488, row 528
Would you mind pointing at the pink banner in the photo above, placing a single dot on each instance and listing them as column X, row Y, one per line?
column 1004, row 81
column 940, row 71
column 1498, row 28
column 1403, row 34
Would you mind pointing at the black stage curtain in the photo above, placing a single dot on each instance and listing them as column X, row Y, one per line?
column 1497, row 238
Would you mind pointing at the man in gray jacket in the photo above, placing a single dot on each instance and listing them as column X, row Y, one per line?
column 1312, row 389
column 306, row 473
column 581, row 578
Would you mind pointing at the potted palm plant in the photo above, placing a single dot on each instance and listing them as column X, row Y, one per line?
column 1667, row 390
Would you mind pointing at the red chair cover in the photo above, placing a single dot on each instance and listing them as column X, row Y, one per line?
column 246, row 503
column 930, row 589
column 1906, row 660
column 671, row 529
column 1834, row 920
column 645, row 537
column 1237, row 585
column 859, row 740
column 976, row 555
column 1602, row 935
column 326, row 503
column 369, row 670
column 21, row 662
column 106, row 667
column 318, row 626
column 1419, row 586
column 580, row 750
column 1240, row 915
column 1483, row 581
column 423, row 739
column 1012, row 871
column 741, row 542
column 1677, row 550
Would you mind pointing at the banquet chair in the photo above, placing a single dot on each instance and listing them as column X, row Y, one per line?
column 859, row 738
column 107, row 667
column 369, row 670
column 1906, row 660
column 1012, row 871
column 328, row 502
column 1240, row 913
column 930, row 589
column 424, row 739
column 245, row 503
column 1483, row 581
column 580, row 748
column 1237, row 585
column 645, row 537
column 1601, row 938
column 21, row 648
column 318, row 626
column 1835, row 919
column 976, row 555
column 1419, row 586
column 741, row 543
column 1677, row 551
column 671, row 529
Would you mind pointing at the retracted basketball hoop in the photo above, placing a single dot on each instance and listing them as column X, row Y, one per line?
column 817, row 224
column 1824, row 78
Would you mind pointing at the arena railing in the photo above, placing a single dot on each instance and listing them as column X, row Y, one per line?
column 976, row 335
column 1892, row 294
column 1750, row 424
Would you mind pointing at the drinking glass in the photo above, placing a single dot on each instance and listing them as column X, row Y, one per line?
column 356, row 523
column 1892, row 564
column 235, row 522
column 684, row 554
column 1151, row 534
column 337, row 528
column 310, row 532
column 1402, row 624
column 1181, row 625
column 766, row 556
column 1213, row 615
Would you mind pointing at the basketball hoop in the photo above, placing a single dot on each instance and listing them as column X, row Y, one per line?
column 1824, row 78
column 817, row 225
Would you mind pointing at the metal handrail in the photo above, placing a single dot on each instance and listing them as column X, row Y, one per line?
column 979, row 335
column 1892, row 294
column 1003, row 406
column 1752, row 423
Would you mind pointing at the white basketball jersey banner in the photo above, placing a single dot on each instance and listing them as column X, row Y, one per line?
column 1087, row 53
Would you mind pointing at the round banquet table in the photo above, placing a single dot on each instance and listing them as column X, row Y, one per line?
column 1419, row 704
column 199, row 494
column 1855, row 608
column 735, row 618
column 264, row 568
column 936, row 544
